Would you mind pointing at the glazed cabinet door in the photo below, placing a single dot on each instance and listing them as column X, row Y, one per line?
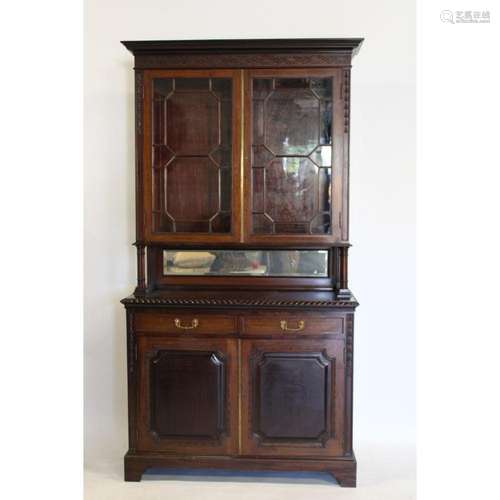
column 293, row 397
column 186, row 394
column 192, row 156
column 294, row 145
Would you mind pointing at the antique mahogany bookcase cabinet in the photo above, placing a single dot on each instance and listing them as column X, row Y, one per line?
column 240, row 330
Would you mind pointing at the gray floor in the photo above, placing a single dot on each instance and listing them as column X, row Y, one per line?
column 384, row 473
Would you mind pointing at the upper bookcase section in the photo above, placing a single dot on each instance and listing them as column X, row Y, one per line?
column 260, row 53
column 243, row 142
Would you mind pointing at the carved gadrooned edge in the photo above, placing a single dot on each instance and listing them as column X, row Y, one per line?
column 151, row 61
column 236, row 302
column 347, row 99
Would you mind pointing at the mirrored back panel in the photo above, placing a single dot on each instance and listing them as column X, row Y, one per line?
column 273, row 263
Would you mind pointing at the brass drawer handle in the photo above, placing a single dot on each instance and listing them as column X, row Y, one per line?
column 284, row 326
column 178, row 324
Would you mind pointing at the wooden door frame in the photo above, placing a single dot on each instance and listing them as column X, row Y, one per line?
column 149, row 345
column 333, row 446
column 337, row 188
column 193, row 238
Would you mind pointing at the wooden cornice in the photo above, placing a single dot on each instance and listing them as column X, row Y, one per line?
column 232, row 46
column 254, row 53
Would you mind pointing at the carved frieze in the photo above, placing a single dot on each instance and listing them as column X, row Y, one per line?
column 151, row 61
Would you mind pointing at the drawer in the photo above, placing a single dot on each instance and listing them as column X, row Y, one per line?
column 185, row 323
column 292, row 324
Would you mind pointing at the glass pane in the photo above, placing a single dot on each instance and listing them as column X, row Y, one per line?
column 191, row 84
column 292, row 263
column 201, row 176
column 291, row 155
column 291, row 190
column 291, row 122
column 222, row 87
column 192, row 154
column 262, row 224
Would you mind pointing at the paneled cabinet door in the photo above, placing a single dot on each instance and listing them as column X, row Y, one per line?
column 187, row 390
column 293, row 397
column 294, row 156
column 192, row 156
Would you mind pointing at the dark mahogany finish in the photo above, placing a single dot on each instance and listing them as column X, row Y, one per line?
column 194, row 384
column 185, row 386
column 291, row 142
column 191, row 136
column 288, row 395
column 191, row 156
column 241, row 144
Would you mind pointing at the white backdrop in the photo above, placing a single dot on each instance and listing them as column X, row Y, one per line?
column 382, row 262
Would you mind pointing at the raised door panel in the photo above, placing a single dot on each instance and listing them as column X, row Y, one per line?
column 192, row 156
column 186, row 390
column 294, row 139
column 293, row 398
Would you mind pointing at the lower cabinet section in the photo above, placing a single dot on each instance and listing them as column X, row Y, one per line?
column 188, row 391
column 248, row 397
column 269, row 391
column 292, row 397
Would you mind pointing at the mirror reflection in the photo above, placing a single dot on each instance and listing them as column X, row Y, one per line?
column 291, row 263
